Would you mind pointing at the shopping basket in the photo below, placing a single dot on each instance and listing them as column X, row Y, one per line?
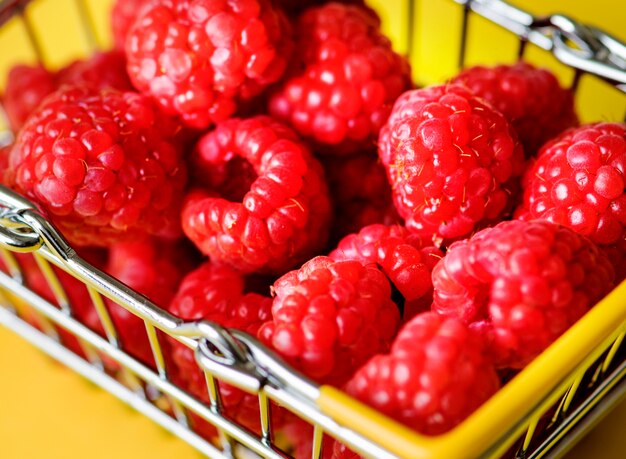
column 540, row 412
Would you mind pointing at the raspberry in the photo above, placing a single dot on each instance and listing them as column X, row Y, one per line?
column 344, row 80
column 360, row 192
column 199, row 59
column 522, row 284
column 26, row 87
column 284, row 216
column 435, row 376
column 153, row 268
column 578, row 181
column 404, row 258
column 102, row 164
column 217, row 293
column 451, row 160
column 4, row 161
column 102, row 70
column 530, row 99
column 330, row 316
column 123, row 15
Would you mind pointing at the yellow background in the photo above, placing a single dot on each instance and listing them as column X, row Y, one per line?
column 47, row 412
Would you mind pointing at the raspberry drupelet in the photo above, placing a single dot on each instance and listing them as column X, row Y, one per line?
column 102, row 164
column 330, row 316
column 578, row 181
column 283, row 216
column 405, row 258
column 530, row 98
column 436, row 375
column 452, row 161
column 521, row 284
column 218, row 293
column 198, row 59
column 344, row 78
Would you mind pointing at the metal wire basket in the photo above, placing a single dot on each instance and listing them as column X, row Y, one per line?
column 540, row 412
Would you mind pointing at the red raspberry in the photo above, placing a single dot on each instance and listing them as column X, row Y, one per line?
column 330, row 316
column 451, row 160
column 102, row 164
column 405, row 258
column 102, row 70
column 578, row 181
column 198, row 59
column 153, row 268
column 26, row 87
column 522, row 284
column 123, row 15
column 360, row 192
column 4, row 161
column 217, row 293
column 285, row 214
column 435, row 376
column 344, row 80
column 530, row 98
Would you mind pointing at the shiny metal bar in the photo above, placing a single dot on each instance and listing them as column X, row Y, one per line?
column 157, row 351
column 12, row 265
column 104, row 316
column 316, row 448
column 266, row 419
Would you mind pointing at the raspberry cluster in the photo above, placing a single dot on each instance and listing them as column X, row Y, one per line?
column 343, row 81
column 452, row 161
column 414, row 383
column 103, row 164
column 530, row 98
column 284, row 216
column 521, row 284
column 329, row 317
column 578, row 181
column 197, row 59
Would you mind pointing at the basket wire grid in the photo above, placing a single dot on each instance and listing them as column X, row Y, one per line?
column 541, row 411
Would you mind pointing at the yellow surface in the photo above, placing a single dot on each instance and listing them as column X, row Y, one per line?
column 48, row 412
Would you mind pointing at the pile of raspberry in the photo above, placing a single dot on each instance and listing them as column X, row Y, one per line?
column 271, row 167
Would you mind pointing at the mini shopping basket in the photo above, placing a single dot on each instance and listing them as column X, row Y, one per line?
column 538, row 413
